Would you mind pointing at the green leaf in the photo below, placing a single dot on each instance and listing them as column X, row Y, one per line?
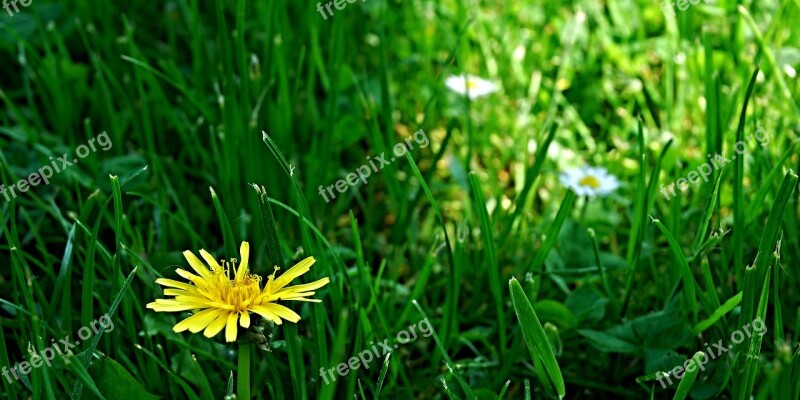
column 607, row 343
column 585, row 304
column 73, row 364
column 689, row 377
column 115, row 382
column 535, row 337
column 558, row 313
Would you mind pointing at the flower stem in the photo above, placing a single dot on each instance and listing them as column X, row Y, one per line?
column 583, row 208
column 243, row 383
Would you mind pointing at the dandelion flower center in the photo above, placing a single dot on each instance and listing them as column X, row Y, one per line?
column 590, row 181
column 237, row 294
column 224, row 296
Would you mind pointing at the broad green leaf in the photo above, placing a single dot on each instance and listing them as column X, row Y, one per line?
column 535, row 337
column 607, row 343
column 557, row 313
column 115, row 382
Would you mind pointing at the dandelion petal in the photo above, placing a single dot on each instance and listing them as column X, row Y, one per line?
column 197, row 322
column 230, row 330
column 196, row 264
column 217, row 325
column 283, row 312
column 245, row 319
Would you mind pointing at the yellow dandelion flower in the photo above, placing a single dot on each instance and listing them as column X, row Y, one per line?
column 220, row 300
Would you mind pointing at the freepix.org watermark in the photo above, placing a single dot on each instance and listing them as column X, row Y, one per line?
column 717, row 161
column 715, row 350
column 363, row 172
column 46, row 355
column 379, row 349
column 59, row 164
column 13, row 3
column 339, row 4
column 683, row 5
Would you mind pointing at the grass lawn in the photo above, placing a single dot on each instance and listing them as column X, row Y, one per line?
column 456, row 199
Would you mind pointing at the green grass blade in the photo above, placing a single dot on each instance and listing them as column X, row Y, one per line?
column 551, row 234
column 454, row 370
column 225, row 227
column 603, row 276
column 768, row 182
column 717, row 314
column 447, row 329
column 382, row 376
column 181, row 382
column 738, row 184
column 530, row 178
column 492, row 267
column 689, row 283
column 535, row 337
column 746, row 365
column 78, row 388
column 11, row 389
column 73, row 364
column 795, row 374
column 270, row 227
column 688, row 379
column 769, row 238
column 708, row 212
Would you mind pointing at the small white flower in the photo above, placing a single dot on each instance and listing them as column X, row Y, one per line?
column 590, row 181
column 471, row 86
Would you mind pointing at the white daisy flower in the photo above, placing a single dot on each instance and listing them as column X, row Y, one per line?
column 471, row 86
column 590, row 181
